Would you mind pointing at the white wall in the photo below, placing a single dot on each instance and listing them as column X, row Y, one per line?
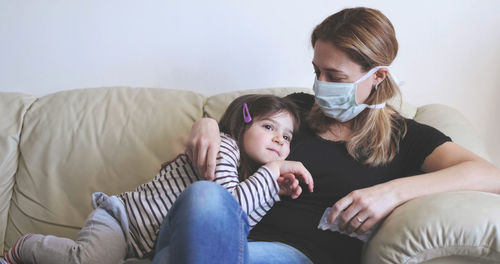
column 449, row 50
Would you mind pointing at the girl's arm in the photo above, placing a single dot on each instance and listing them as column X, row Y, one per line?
column 257, row 194
column 449, row 167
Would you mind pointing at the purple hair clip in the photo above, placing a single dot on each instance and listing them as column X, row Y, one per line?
column 246, row 114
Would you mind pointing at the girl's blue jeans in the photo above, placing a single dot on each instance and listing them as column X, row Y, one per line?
column 207, row 225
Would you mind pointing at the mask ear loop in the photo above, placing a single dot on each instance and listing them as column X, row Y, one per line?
column 377, row 106
column 246, row 114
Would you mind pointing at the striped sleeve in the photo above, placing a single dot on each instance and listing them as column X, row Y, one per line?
column 257, row 194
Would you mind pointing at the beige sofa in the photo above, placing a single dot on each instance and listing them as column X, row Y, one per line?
column 58, row 149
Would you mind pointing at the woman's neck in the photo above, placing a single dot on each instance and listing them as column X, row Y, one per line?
column 337, row 132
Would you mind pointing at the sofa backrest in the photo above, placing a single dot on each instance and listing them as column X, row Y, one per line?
column 453, row 123
column 78, row 142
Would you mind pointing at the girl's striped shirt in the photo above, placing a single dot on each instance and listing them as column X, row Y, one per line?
column 148, row 205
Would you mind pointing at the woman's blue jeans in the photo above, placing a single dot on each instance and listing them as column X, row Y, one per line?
column 207, row 225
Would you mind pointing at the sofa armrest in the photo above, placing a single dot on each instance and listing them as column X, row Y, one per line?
column 439, row 226
column 13, row 107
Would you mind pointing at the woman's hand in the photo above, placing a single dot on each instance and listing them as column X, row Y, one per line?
column 361, row 209
column 286, row 169
column 203, row 145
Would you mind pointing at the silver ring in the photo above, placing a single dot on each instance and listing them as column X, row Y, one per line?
column 359, row 219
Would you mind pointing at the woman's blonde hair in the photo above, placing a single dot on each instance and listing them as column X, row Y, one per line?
column 368, row 38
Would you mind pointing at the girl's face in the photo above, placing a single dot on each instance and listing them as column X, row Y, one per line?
column 333, row 65
column 269, row 139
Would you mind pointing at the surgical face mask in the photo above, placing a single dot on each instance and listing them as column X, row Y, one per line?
column 338, row 100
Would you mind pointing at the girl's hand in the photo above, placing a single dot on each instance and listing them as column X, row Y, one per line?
column 360, row 210
column 289, row 185
column 203, row 145
column 295, row 168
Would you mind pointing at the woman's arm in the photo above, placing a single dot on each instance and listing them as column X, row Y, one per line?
column 203, row 145
column 449, row 167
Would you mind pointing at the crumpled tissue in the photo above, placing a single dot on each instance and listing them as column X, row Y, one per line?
column 324, row 225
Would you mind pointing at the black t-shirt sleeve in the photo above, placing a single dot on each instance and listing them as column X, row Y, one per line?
column 419, row 142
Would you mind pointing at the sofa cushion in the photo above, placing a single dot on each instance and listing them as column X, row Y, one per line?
column 13, row 107
column 78, row 142
column 440, row 228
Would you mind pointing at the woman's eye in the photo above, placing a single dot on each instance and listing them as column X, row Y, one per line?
column 287, row 138
column 268, row 127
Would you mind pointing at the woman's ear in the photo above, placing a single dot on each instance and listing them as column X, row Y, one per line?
column 380, row 75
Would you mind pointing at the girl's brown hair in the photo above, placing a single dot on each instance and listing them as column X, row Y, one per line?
column 368, row 38
column 260, row 106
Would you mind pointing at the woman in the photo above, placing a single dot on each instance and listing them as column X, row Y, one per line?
column 364, row 157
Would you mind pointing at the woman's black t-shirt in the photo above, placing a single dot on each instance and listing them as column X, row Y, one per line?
column 335, row 175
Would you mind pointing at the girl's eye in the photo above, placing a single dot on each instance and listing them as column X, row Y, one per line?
column 268, row 127
column 287, row 138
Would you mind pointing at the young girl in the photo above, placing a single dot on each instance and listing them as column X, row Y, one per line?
column 127, row 225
